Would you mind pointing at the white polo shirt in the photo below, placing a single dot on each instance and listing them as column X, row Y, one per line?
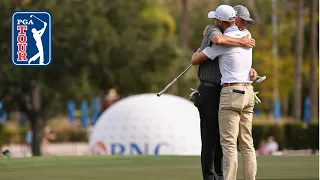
column 234, row 62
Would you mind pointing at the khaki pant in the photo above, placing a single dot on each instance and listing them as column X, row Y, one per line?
column 235, row 122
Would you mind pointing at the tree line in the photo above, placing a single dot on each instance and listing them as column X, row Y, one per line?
column 140, row 46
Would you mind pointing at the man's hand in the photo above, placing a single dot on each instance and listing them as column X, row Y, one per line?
column 198, row 57
column 253, row 74
column 195, row 53
column 248, row 42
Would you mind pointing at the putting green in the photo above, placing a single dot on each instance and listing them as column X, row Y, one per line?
column 147, row 168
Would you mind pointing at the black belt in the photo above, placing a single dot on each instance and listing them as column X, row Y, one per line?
column 208, row 84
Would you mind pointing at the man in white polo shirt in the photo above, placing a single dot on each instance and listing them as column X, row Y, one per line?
column 237, row 96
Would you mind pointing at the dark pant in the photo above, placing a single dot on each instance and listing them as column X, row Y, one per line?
column 207, row 102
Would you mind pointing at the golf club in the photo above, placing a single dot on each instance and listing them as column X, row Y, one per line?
column 261, row 79
column 172, row 82
column 37, row 18
column 257, row 100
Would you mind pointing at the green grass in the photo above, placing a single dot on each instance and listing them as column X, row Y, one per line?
column 147, row 168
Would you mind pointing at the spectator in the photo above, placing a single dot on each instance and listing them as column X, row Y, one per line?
column 263, row 150
column 28, row 142
column 110, row 99
column 46, row 138
column 272, row 145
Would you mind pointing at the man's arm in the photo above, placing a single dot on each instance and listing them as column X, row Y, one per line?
column 218, row 38
column 208, row 53
column 209, row 31
column 43, row 29
column 198, row 57
column 224, row 40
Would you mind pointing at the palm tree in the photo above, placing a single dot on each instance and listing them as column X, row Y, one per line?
column 297, row 66
column 184, row 24
column 313, row 63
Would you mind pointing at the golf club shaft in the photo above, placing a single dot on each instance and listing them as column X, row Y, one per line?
column 37, row 18
column 172, row 82
column 184, row 71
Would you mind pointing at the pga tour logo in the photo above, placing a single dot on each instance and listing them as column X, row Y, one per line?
column 31, row 38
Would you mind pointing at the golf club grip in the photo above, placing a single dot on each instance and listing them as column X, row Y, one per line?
column 166, row 88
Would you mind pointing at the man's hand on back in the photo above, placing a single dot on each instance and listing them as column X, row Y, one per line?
column 248, row 42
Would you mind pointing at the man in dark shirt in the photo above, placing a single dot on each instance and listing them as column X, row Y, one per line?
column 207, row 101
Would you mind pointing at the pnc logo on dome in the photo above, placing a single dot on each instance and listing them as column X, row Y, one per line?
column 99, row 148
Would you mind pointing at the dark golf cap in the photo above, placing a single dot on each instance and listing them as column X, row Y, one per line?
column 243, row 13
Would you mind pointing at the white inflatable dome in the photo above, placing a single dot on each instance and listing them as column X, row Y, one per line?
column 147, row 124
